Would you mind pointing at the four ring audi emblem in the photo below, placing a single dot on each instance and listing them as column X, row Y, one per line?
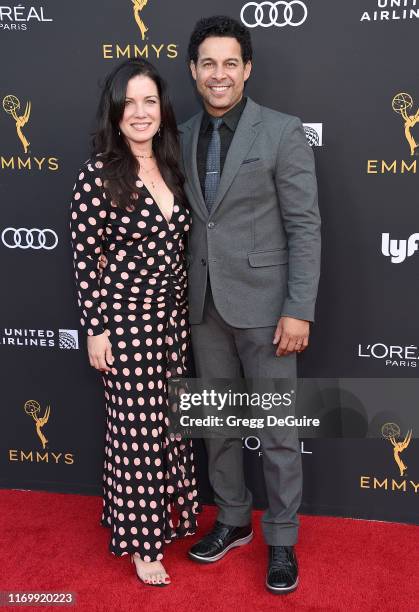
column 24, row 238
column 279, row 14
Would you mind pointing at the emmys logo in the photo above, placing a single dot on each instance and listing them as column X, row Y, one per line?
column 401, row 104
column 12, row 107
column 33, row 409
column 138, row 6
column 314, row 134
column 391, row 432
column 400, row 9
column 398, row 250
column 147, row 50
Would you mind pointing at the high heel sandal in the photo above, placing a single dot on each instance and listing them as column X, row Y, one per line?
column 158, row 584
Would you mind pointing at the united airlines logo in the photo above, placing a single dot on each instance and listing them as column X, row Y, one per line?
column 68, row 339
column 278, row 14
column 40, row 338
column 391, row 10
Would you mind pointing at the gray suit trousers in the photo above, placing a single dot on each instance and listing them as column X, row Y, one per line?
column 223, row 351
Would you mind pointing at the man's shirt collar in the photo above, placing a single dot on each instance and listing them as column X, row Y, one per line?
column 231, row 117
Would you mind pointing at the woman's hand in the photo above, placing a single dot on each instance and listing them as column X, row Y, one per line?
column 100, row 352
column 103, row 262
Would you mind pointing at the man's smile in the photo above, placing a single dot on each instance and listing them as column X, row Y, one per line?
column 218, row 89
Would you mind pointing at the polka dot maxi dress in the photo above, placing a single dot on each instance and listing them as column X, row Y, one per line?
column 140, row 301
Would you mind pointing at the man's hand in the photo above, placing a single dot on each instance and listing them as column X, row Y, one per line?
column 291, row 335
column 100, row 352
column 103, row 262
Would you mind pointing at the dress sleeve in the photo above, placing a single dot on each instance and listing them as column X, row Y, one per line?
column 89, row 213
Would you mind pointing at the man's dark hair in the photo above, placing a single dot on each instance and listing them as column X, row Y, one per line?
column 220, row 25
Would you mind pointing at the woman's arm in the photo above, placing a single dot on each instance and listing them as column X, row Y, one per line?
column 88, row 219
column 89, row 213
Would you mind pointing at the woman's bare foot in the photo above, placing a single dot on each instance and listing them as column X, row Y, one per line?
column 151, row 572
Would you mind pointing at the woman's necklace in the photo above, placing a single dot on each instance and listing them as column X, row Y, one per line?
column 145, row 156
column 147, row 172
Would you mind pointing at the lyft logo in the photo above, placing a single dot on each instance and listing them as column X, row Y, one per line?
column 398, row 250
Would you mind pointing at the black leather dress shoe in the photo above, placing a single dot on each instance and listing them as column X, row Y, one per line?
column 282, row 576
column 219, row 541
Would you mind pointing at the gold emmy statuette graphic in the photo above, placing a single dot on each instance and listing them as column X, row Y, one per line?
column 33, row 408
column 138, row 6
column 11, row 104
column 391, row 431
column 403, row 102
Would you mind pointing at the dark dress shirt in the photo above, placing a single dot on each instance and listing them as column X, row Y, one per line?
column 226, row 129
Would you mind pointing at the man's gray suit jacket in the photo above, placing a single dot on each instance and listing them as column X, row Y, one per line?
column 261, row 242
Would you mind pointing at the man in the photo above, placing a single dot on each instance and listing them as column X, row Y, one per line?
column 254, row 259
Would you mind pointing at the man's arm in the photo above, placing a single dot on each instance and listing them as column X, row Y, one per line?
column 296, row 185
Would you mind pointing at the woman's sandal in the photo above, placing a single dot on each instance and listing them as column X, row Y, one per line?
column 159, row 584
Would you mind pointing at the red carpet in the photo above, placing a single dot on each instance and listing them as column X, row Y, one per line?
column 53, row 542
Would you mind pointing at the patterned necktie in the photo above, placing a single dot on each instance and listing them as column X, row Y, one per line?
column 212, row 175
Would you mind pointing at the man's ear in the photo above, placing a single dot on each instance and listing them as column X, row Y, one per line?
column 192, row 66
column 247, row 70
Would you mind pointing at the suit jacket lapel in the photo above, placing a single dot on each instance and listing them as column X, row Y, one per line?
column 191, row 135
column 244, row 136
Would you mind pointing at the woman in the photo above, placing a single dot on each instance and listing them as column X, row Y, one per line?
column 128, row 202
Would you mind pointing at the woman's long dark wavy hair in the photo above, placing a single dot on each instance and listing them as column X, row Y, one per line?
column 120, row 169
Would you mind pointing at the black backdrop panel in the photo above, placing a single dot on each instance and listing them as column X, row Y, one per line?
column 341, row 67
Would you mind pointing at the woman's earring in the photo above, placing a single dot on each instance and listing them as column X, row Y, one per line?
column 159, row 130
column 119, row 132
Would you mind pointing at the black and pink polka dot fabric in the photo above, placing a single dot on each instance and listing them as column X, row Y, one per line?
column 140, row 302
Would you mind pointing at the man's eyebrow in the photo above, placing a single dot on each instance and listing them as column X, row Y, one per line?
column 229, row 59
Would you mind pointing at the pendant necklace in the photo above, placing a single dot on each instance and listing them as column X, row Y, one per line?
column 151, row 180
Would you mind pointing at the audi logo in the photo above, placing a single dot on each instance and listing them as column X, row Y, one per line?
column 280, row 14
column 23, row 238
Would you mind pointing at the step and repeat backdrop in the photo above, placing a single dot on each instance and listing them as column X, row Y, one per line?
column 349, row 71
